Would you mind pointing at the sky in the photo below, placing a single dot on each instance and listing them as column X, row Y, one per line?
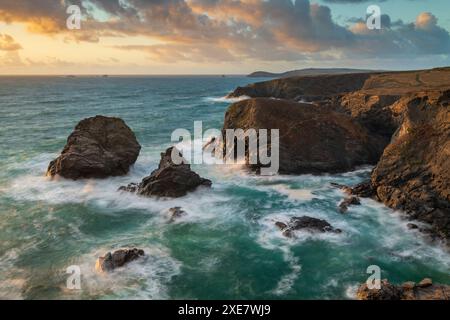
column 219, row 36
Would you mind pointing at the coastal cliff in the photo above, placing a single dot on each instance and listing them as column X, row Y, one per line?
column 403, row 121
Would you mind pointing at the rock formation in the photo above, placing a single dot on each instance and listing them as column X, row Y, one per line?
column 305, row 223
column 99, row 147
column 170, row 179
column 424, row 290
column 117, row 259
column 312, row 139
column 403, row 114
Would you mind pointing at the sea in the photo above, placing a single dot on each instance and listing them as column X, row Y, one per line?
column 226, row 247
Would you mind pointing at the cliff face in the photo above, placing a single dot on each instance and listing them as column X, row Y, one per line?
column 413, row 173
column 312, row 139
column 406, row 114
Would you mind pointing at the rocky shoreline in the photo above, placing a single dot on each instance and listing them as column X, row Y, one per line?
column 381, row 119
column 397, row 121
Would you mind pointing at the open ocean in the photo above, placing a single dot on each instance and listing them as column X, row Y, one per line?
column 227, row 247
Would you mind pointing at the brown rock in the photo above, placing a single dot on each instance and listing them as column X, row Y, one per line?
column 169, row 180
column 305, row 223
column 99, row 147
column 413, row 173
column 425, row 283
column 312, row 139
column 407, row 291
column 117, row 259
column 350, row 201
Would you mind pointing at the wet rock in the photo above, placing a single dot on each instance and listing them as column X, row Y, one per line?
column 170, row 179
column 412, row 226
column 305, row 223
column 176, row 213
column 99, row 147
column 387, row 291
column 425, row 283
column 344, row 188
column 350, row 201
column 424, row 290
column 117, row 259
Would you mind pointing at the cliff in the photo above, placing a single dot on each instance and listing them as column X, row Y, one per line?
column 403, row 125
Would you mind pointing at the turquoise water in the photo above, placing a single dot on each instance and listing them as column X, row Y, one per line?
column 227, row 247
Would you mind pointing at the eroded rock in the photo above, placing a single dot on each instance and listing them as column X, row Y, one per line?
column 425, row 290
column 99, row 147
column 170, row 179
column 305, row 223
column 117, row 259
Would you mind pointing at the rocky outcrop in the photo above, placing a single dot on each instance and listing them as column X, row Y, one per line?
column 413, row 173
column 99, row 147
column 312, row 139
column 306, row 88
column 170, row 179
column 175, row 213
column 111, row 261
column 347, row 202
column 424, row 290
column 305, row 223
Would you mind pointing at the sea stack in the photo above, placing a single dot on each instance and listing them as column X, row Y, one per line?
column 99, row 147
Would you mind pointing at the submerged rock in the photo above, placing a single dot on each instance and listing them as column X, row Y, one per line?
column 176, row 213
column 305, row 223
column 117, row 259
column 170, row 179
column 350, row 201
column 99, row 147
column 424, row 290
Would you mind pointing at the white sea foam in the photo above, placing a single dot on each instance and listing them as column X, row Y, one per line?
column 227, row 99
column 146, row 278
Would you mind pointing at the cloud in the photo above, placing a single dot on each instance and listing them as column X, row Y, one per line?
column 7, row 43
column 231, row 30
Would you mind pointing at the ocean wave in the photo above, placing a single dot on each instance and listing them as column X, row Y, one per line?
column 146, row 278
column 227, row 99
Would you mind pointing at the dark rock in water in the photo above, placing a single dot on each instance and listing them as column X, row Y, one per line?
column 99, row 147
column 118, row 259
column 176, row 213
column 132, row 187
column 425, row 290
column 350, row 201
column 305, row 223
column 170, row 179
column 364, row 190
column 412, row 226
column 312, row 139
column 342, row 187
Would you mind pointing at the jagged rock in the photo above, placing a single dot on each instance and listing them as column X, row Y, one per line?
column 305, row 223
column 412, row 226
column 176, row 213
column 425, row 290
column 117, row 259
column 99, row 147
column 413, row 174
column 312, row 139
column 350, row 201
column 387, row 291
column 344, row 188
column 170, row 179
column 425, row 283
